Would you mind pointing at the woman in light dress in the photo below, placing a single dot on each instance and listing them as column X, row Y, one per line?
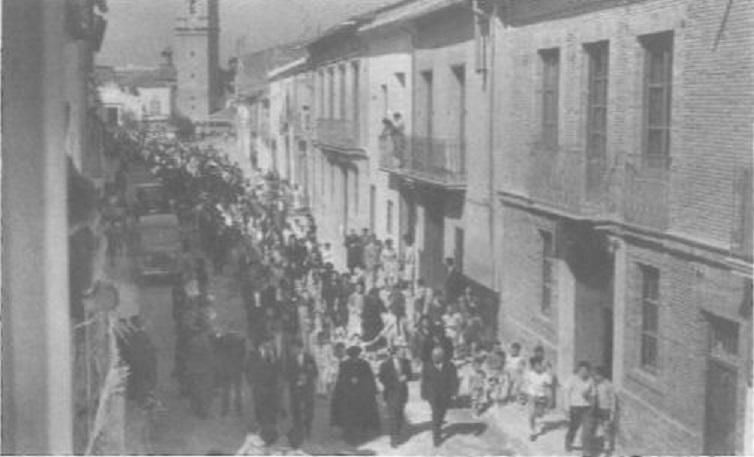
column 355, row 307
column 390, row 263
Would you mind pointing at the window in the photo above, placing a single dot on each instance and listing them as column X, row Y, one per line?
column 550, row 77
column 658, row 80
column 331, row 93
column 385, row 99
column 321, row 101
column 723, row 338
column 191, row 54
column 356, row 95
column 548, row 258
column 356, row 191
column 596, row 128
column 389, row 222
column 193, row 75
column 155, row 107
column 426, row 77
column 650, row 310
column 332, row 181
column 342, row 96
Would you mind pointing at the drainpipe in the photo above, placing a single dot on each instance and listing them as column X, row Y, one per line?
column 491, row 145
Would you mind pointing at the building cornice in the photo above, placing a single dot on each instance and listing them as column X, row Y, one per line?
column 673, row 242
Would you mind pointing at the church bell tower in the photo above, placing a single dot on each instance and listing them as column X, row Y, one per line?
column 196, row 57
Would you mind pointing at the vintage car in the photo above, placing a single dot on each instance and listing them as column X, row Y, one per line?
column 151, row 199
column 159, row 242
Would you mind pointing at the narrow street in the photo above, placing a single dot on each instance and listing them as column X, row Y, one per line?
column 177, row 431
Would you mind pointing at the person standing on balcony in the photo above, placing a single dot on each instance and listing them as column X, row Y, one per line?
column 398, row 134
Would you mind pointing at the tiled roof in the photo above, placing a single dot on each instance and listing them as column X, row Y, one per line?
column 407, row 10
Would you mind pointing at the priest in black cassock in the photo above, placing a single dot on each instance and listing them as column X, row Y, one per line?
column 354, row 404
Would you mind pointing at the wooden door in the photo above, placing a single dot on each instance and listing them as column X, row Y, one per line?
column 434, row 244
column 720, row 415
column 458, row 248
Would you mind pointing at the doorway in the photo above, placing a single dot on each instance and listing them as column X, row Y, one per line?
column 433, row 269
column 458, row 248
column 592, row 267
column 721, row 384
column 407, row 215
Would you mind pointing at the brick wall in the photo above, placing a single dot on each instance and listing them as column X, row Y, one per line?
column 688, row 292
column 520, row 318
column 712, row 102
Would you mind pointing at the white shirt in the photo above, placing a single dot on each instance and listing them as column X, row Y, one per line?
column 539, row 383
column 579, row 391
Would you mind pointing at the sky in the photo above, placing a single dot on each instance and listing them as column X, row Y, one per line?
column 138, row 30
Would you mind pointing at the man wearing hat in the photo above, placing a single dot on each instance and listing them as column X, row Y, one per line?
column 439, row 385
column 354, row 407
column 394, row 374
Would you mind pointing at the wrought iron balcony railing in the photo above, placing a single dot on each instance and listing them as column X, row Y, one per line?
column 743, row 228
column 645, row 190
column 432, row 160
column 568, row 181
column 337, row 133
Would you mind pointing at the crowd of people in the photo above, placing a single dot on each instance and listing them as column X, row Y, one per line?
column 347, row 335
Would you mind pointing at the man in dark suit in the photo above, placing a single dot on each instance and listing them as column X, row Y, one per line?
column 439, row 385
column 302, row 376
column 230, row 355
column 394, row 375
column 263, row 373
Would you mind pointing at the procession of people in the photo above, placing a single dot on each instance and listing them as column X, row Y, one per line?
column 349, row 335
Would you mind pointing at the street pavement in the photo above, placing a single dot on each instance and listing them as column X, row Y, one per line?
column 499, row 431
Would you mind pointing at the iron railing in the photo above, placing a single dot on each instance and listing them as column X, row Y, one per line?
column 434, row 160
column 743, row 228
column 338, row 133
column 645, row 191
column 568, row 180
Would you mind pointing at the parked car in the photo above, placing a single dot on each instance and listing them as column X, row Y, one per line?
column 159, row 242
column 151, row 199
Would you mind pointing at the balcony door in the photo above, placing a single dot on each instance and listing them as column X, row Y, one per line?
column 455, row 156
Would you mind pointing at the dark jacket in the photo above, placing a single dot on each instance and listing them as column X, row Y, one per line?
column 394, row 390
column 302, row 378
column 439, row 386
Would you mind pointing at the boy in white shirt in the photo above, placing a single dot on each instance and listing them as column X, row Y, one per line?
column 578, row 397
column 538, row 383
column 514, row 369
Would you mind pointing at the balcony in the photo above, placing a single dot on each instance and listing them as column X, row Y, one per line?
column 566, row 181
column 440, row 162
column 340, row 134
column 741, row 235
column 646, row 185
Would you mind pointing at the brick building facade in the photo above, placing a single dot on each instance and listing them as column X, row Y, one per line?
column 589, row 162
column 624, row 152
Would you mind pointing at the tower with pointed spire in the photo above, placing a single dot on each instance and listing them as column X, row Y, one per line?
column 196, row 57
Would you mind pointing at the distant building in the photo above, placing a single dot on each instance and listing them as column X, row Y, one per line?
column 252, row 101
column 138, row 94
column 197, row 53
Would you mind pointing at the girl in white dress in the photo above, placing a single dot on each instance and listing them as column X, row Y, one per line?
column 355, row 307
